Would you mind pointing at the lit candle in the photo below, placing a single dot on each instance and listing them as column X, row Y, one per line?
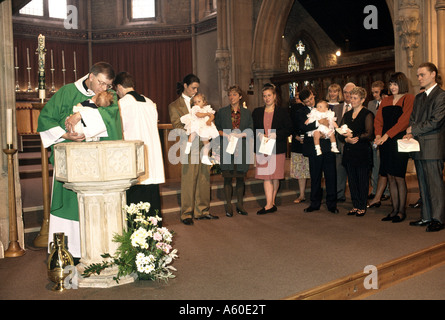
column 27, row 56
column 74, row 60
column 63, row 59
column 8, row 126
column 16, row 63
column 52, row 61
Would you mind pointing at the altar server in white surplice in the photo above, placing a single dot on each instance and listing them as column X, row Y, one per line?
column 140, row 122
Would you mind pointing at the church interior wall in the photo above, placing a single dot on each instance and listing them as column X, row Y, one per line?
column 206, row 69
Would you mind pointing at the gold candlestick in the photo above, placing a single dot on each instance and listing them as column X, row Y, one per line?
column 14, row 249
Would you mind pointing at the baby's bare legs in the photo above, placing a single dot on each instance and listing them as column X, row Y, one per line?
column 316, row 135
column 205, row 153
column 189, row 142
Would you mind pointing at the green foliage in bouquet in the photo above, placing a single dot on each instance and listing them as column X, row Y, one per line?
column 145, row 248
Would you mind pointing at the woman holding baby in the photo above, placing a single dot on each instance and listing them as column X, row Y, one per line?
column 357, row 152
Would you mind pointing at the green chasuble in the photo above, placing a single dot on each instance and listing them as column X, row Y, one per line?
column 64, row 202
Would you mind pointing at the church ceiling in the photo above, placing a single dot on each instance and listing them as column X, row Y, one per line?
column 343, row 20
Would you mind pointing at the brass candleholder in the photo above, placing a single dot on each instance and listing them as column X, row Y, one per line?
column 14, row 249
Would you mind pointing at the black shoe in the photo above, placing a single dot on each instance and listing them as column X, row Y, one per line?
column 311, row 209
column 419, row 223
column 265, row 211
column 208, row 217
column 398, row 218
column 187, row 221
column 374, row 205
column 418, row 204
column 333, row 210
column 229, row 214
column 353, row 212
column 261, row 211
column 389, row 217
column 384, row 198
column 242, row 212
column 360, row 213
column 434, row 226
column 371, row 196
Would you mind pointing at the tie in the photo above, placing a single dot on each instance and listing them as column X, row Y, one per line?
column 423, row 98
column 378, row 105
column 346, row 108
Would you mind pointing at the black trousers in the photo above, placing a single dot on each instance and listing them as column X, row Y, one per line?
column 358, row 178
column 323, row 164
column 432, row 189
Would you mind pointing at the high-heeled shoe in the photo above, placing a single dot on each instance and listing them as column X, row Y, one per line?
column 353, row 212
column 397, row 218
column 374, row 205
column 360, row 213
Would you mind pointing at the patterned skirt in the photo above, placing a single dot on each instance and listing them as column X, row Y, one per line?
column 299, row 166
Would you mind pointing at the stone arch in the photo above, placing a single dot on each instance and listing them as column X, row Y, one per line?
column 267, row 41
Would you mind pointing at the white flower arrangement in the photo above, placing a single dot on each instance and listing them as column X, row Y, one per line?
column 145, row 248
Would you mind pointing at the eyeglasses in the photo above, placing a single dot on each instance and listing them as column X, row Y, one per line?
column 103, row 84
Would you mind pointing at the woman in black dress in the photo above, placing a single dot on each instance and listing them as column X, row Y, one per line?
column 391, row 122
column 357, row 152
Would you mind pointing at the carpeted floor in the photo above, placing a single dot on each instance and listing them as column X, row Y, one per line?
column 252, row 257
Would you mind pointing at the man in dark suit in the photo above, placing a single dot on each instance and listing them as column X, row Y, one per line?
column 427, row 125
column 318, row 165
column 339, row 110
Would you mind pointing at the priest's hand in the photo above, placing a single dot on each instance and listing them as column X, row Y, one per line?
column 74, row 136
column 71, row 121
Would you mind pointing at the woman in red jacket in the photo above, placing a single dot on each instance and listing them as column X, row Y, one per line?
column 390, row 124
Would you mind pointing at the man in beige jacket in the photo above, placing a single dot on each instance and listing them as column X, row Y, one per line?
column 195, row 176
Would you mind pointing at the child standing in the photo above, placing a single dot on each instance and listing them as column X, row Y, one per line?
column 199, row 122
column 321, row 111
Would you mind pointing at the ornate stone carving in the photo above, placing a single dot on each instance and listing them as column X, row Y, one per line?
column 224, row 62
column 408, row 24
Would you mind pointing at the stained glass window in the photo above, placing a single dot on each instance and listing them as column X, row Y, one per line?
column 300, row 56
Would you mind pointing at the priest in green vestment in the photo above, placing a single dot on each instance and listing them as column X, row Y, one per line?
column 55, row 125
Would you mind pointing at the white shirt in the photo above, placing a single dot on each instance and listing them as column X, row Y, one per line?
column 187, row 102
column 430, row 89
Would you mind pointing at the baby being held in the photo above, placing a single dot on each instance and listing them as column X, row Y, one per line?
column 199, row 122
column 102, row 99
column 321, row 111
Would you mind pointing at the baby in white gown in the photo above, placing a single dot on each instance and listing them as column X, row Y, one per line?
column 199, row 122
column 321, row 111
column 101, row 100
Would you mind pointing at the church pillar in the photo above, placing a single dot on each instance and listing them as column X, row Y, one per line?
column 407, row 25
column 7, row 100
column 223, row 56
column 440, row 9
